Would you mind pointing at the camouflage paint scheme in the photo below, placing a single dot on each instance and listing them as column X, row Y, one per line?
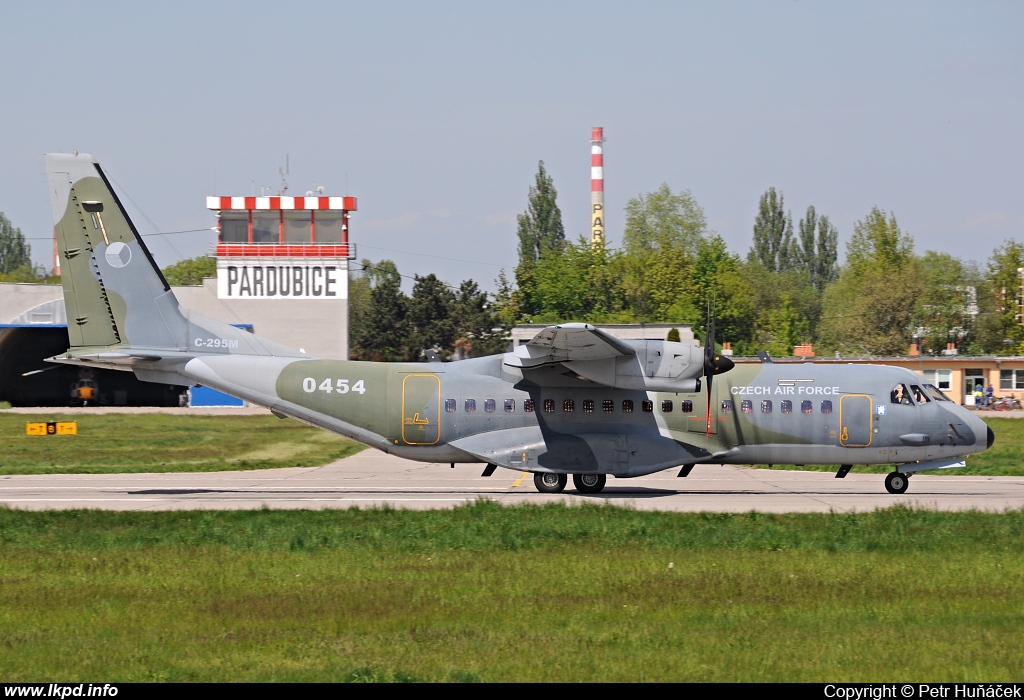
column 122, row 314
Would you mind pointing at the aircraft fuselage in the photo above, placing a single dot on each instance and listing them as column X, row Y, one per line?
column 483, row 410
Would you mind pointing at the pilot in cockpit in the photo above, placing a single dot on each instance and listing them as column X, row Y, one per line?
column 900, row 394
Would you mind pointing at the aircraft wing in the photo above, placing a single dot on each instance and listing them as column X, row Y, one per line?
column 569, row 342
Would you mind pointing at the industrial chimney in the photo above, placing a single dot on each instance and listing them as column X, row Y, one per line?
column 597, row 186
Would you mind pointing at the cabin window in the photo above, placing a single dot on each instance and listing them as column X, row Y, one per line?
column 666, row 407
column 900, row 394
column 727, row 406
column 510, row 405
column 470, row 405
column 489, row 405
column 786, row 407
column 627, row 406
column 747, row 406
column 647, row 406
column 528, row 405
column 919, row 395
column 588, row 405
column 686, row 406
column 806, row 407
column 936, row 394
column 568, row 406
column 608, row 406
column 766, row 406
column 826, row 407
column 549, row 405
column 449, row 405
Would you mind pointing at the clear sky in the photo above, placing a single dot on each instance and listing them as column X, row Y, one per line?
column 435, row 114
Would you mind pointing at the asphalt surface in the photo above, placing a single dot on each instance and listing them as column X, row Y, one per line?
column 372, row 478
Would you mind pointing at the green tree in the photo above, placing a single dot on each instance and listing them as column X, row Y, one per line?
column 999, row 326
column 540, row 227
column 430, row 317
column 383, row 332
column 478, row 330
column 773, row 232
column 871, row 309
column 580, row 284
column 358, row 305
column 664, row 231
column 782, row 327
column 947, row 306
column 815, row 249
column 721, row 286
column 878, row 243
column 769, row 292
column 540, row 232
column 663, row 220
column 15, row 253
column 192, row 271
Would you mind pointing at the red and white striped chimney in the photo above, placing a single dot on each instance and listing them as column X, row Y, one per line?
column 597, row 185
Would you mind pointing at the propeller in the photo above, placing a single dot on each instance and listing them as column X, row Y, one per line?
column 713, row 364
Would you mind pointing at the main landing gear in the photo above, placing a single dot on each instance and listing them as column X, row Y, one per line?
column 546, row 482
column 897, row 483
column 589, row 483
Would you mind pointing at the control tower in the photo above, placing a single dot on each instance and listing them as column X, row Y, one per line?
column 282, row 267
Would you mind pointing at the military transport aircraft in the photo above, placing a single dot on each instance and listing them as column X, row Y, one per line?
column 573, row 400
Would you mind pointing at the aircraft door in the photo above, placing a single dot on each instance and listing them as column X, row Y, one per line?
column 855, row 420
column 421, row 409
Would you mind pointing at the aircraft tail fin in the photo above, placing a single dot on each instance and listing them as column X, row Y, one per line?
column 119, row 305
column 105, row 263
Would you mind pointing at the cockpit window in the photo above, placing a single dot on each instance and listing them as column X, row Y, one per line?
column 936, row 394
column 900, row 394
column 919, row 395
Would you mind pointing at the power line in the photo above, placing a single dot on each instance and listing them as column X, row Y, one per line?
column 426, row 255
column 144, row 235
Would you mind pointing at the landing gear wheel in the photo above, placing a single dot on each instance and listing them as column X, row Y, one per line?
column 546, row 482
column 589, row 483
column 896, row 483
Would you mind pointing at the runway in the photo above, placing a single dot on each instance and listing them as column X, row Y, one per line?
column 372, row 478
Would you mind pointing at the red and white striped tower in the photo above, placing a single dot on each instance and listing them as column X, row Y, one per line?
column 597, row 186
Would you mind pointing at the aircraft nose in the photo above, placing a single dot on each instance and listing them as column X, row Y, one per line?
column 991, row 436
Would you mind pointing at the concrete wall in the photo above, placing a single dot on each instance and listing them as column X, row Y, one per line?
column 318, row 326
column 16, row 300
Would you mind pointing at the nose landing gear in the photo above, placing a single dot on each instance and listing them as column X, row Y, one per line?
column 897, row 483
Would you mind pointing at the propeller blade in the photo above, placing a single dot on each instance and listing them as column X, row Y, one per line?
column 37, row 371
column 713, row 364
column 709, row 365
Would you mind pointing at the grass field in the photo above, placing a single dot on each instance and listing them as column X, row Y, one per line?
column 155, row 442
column 494, row 593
